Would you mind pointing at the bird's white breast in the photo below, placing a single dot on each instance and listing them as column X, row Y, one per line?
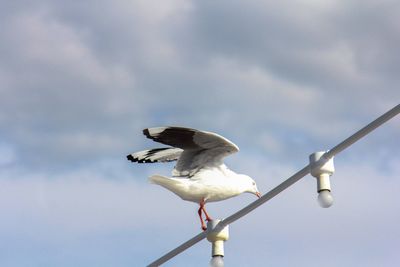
column 210, row 184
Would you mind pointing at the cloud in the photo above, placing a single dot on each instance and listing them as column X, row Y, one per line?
column 58, row 95
column 74, row 78
column 7, row 154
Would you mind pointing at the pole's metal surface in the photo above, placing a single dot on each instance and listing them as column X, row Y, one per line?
column 268, row 196
column 178, row 250
column 284, row 185
column 363, row 132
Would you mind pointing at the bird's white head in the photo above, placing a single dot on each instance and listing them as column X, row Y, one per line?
column 249, row 185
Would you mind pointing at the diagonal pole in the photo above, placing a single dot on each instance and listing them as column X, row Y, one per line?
column 284, row 185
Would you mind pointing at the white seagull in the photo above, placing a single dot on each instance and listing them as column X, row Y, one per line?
column 199, row 175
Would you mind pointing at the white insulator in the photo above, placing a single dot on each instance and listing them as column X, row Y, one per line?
column 217, row 237
column 322, row 172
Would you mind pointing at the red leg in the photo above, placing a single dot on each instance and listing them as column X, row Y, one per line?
column 202, row 208
column 208, row 218
column 203, row 226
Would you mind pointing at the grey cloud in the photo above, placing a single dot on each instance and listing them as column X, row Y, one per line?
column 92, row 78
column 56, row 89
column 322, row 44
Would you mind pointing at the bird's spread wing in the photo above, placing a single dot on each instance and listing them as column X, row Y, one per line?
column 200, row 148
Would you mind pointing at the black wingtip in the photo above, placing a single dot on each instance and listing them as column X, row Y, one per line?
column 146, row 133
column 131, row 158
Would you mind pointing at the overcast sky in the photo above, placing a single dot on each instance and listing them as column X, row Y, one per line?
column 79, row 80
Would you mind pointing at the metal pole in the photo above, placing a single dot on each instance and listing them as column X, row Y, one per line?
column 178, row 250
column 290, row 181
column 363, row 132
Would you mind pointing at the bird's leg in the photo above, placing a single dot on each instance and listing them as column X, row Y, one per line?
column 208, row 218
column 202, row 206
column 203, row 226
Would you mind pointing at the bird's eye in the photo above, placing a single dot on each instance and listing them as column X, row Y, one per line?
column 254, row 183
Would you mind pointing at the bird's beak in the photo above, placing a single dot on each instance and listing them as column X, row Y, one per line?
column 258, row 194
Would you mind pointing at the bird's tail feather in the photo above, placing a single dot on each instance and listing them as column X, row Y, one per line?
column 166, row 182
column 164, row 154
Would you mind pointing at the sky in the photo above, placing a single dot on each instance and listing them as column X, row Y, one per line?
column 79, row 80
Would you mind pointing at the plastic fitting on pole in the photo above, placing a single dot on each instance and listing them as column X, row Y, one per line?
column 217, row 237
column 322, row 171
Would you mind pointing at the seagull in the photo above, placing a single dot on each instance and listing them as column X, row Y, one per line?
column 200, row 175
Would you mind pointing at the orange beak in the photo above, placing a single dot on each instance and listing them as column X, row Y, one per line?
column 258, row 194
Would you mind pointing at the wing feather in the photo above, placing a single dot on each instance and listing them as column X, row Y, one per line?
column 200, row 148
column 164, row 154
